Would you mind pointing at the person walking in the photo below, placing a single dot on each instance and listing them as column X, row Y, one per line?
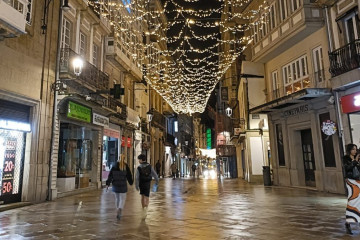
column 158, row 167
column 193, row 167
column 173, row 169
column 351, row 169
column 119, row 175
column 144, row 174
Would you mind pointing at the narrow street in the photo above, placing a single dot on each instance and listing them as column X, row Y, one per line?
column 186, row 209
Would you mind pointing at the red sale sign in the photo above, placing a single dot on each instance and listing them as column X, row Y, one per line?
column 350, row 103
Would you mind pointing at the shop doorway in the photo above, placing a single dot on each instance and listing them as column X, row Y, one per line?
column 308, row 157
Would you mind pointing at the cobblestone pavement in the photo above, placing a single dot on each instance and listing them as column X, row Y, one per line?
column 186, row 209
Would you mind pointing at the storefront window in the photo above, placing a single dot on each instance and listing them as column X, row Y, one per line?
column 76, row 150
column 355, row 127
column 12, row 144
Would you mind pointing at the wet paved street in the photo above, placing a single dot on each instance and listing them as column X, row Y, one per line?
column 186, row 209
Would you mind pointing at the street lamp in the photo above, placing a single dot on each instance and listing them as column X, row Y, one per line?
column 228, row 111
column 78, row 64
column 149, row 115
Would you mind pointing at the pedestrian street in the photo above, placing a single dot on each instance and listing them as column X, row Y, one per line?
column 186, row 209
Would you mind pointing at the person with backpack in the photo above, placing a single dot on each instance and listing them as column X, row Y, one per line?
column 118, row 176
column 144, row 174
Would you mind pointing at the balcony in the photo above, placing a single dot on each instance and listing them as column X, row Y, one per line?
column 345, row 59
column 12, row 18
column 90, row 77
column 158, row 120
column 314, row 80
column 120, row 56
column 101, row 10
column 170, row 139
column 304, row 21
column 118, row 107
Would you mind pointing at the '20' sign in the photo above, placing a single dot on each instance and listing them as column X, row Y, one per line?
column 8, row 166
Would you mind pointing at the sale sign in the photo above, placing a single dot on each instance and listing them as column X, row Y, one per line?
column 8, row 167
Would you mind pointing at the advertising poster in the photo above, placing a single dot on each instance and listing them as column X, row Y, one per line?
column 8, row 167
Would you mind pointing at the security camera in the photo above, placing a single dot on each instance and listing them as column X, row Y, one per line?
column 331, row 100
column 87, row 98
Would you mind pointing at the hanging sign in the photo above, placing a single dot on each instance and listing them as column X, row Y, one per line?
column 79, row 112
column 123, row 141
column 100, row 120
column 350, row 103
column 128, row 142
column 328, row 127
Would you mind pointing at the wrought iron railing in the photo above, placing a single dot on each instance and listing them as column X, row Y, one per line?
column 90, row 74
column 117, row 106
column 159, row 119
column 345, row 58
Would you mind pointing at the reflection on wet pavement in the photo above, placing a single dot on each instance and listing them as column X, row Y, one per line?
column 186, row 209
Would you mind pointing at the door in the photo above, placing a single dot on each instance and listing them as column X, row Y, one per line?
column 308, row 157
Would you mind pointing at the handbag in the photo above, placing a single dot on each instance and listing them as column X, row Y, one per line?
column 355, row 173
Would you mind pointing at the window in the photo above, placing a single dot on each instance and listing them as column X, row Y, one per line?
column 295, row 4
column 272, row 16
column 82, row 50
column 66, row 34
column 275, row 84
column 318, row 64
column 295, row 75
column 283, row 9
column 28, row 13
column 352, row 27
column 95, row 55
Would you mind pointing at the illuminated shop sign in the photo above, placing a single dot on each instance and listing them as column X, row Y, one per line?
column 100, row 120
column 7, row 181
column 13, row 125
column 350, row 103
column 208, row 138
column 79, row 112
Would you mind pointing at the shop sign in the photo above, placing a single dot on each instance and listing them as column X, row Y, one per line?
column 111, row 133
column 9, row 167
column 13, row 125
column 128, row 142
column 350, row 103
column 100, row 120
column 296, row 111
column 123, row 141
column 79, row 112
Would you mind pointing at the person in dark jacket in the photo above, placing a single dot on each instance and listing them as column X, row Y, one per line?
column 144, row 174
column 119, row 175
column 351, row 161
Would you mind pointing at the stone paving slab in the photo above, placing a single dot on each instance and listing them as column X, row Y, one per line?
column 186, row 209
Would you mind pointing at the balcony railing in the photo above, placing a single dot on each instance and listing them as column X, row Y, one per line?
column 12, row 17
column 345, row 59
column 90, row 74
column 117, row 106
column 158, row 120
column 314, row 80
column 170, row 139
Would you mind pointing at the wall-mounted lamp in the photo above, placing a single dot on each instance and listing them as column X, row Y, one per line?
column 150, row 115
column 228, row 111
column 78, row 64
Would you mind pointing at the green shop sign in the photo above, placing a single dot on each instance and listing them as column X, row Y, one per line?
column 79, row 112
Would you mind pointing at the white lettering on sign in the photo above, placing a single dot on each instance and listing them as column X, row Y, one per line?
column 12, row 125
column 357, row 100
column 100, row 120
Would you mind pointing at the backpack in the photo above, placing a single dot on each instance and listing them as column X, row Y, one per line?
column 145, row 173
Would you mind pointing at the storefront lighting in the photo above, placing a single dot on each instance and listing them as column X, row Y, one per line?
column 228, row 111
column 17, row 126
column 78, row 64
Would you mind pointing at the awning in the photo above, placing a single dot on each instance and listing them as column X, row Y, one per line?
column 132, row 117
column 298, row 97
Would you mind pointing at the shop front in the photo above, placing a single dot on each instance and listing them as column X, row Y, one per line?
column 14, row 127
column 111, row 148
column 350, row 105
column 79, row 141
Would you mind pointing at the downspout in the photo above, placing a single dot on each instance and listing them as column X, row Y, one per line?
column 57, row 69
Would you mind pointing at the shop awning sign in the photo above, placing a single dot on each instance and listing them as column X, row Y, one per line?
column 350, row 103
column 100, row 120
column 14, row 125
column 79, row 112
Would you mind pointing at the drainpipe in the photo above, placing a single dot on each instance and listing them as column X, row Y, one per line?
column 57, row 69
